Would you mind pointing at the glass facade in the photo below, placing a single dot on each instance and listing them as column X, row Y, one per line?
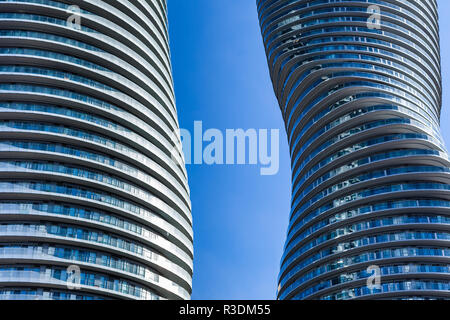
column 94, row 199
column 359, row 87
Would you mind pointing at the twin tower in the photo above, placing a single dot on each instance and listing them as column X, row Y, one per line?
column 359, row 87
column 95, row 205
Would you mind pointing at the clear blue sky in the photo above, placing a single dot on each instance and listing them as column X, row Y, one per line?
column 221, row 78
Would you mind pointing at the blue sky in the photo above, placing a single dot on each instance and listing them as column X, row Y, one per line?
column 221, row 78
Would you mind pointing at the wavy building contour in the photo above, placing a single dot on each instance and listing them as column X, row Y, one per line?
column 359, row 87
column 94, row 199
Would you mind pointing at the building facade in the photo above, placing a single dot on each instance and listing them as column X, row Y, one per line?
column 359, row 87
column 94, row 199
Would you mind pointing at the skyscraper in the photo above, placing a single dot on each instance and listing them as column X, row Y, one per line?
column 94, row 199
column 359, row 87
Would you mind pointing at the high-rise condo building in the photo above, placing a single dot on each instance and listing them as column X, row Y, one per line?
column 94, row 200
column 359, row 87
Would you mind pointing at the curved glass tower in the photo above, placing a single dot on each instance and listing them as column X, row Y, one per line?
column 94, row 200
column 359, row 87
